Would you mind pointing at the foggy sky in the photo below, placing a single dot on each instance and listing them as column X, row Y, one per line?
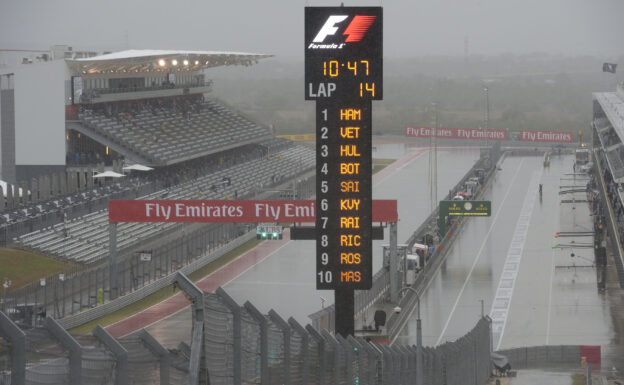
column 411, row 28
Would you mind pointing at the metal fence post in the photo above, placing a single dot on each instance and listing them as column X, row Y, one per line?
column 236, row 313
column 305, row 338
column 264, row 341
column 120, row 353
column 283, row 325
column 17, row 337
column 74, row 348
column 348, row 349
column 404, row 354
column 321, row 348
column 112, row 262
column 394, row 285
column 374, row 367
column 197, row 344
column 336, row 346
column 195, row 354
column 157, row 349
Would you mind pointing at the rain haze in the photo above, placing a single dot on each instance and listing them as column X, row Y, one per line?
column 459, row 180
column 429, row 27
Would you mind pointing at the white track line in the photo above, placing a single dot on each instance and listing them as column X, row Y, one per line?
column 504, row 293
column 408, row 163
column 552, row 274
column 479, row 253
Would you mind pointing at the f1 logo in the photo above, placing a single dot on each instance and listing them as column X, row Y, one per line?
column 354, row 32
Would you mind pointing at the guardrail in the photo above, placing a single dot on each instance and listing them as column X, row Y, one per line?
column 408, row 301
column 123, row 301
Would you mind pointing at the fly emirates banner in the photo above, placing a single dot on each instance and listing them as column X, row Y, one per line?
column 233, row 211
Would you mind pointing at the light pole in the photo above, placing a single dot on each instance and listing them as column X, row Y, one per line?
column 487, row 125
column 419, row 352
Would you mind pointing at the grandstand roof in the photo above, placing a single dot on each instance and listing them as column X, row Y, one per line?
column 612, row 104
column 162, row 60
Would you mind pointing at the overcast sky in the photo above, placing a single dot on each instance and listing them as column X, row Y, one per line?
column 411, row 28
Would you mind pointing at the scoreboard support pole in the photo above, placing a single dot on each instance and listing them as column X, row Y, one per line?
column 344, row 74
column 345, row 313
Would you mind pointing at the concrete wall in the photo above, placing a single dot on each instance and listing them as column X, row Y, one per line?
column 40, row 114
column 7, row 135
column 552, row 356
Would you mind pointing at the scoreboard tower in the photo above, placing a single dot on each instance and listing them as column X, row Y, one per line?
column 343, row 74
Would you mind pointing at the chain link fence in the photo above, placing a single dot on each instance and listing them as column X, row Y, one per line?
column 283, row 352
column 239, row 346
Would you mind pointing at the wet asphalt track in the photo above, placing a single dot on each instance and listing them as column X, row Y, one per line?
column 540, row 299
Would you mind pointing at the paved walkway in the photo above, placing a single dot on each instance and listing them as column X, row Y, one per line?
column 228, row 272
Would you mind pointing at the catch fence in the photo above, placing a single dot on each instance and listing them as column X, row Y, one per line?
column 237, row 345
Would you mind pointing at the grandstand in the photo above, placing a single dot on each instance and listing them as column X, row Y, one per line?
column 85, row 239
column 608, row 126
column 162, row 135
column 154, row 108
column 608, row 139
column 140, row 105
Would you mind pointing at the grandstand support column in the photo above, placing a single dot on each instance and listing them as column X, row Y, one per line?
column 34, row 190
column 55, row 185
column 394, row 284
column 9, row 195
column 112, row 255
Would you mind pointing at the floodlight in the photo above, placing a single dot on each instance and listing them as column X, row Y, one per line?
column 161, row 62
column 174, row 62
column 185, row 62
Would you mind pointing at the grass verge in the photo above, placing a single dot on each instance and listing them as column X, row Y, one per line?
column 24, row 267
column 578, row 379
column 380, row 163
column 164, row 293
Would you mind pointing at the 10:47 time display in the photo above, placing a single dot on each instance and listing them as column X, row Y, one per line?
column 332, row 68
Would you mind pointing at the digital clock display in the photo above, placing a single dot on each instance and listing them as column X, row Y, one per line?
column 343, row 73
column 343, row 53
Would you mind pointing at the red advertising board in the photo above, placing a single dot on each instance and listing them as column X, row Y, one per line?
column 229, row 211
column 456, row 133
column 591, row 353
column 546, row 136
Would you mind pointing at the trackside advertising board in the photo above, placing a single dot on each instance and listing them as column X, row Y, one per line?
column 230, row 211
column 533, row 136
column 546, row 136
column 455, row 133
